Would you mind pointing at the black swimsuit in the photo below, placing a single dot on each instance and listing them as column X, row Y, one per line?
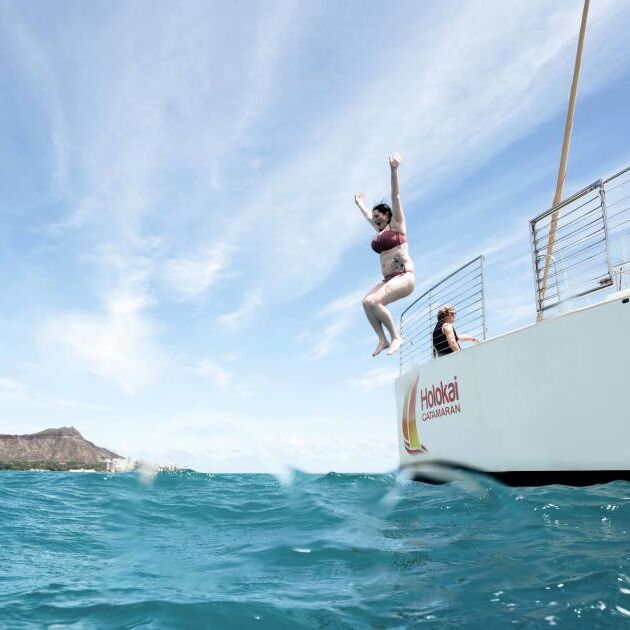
column 440, row 342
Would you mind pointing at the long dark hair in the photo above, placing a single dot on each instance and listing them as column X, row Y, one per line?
column 383, row 208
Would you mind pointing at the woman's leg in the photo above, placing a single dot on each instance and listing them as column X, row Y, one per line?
column 395, row 289
column 375, row 322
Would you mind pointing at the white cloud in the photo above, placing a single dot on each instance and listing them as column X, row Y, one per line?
column 117, row 344
column 235, row 320
column 192, row 277
column 348, row 302
column 328, row 338
column 341, row 311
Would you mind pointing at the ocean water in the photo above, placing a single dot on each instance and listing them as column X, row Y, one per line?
column 190, row 550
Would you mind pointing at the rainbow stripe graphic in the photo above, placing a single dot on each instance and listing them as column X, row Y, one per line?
column 411, row 439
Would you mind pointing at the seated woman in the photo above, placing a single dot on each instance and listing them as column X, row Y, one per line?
column 445, row 338
column 396, row 264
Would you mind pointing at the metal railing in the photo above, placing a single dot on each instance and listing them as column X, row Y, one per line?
column 592, row 245
column 464, row 289
column 581, row 262
column 617, row 190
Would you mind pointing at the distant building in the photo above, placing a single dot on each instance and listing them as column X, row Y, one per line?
column 121, row 464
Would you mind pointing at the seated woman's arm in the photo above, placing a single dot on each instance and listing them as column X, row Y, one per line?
column 359, row 199
column 468, row 338
column 449, row 333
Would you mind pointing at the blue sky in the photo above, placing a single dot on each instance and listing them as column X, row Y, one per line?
column 181, row 261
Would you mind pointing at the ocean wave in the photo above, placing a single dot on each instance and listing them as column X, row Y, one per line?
column 333, row 550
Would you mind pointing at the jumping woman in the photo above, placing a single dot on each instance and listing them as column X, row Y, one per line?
column 396, row 264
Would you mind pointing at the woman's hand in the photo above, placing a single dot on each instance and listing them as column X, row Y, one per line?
column 394, row 160
column 359, row 199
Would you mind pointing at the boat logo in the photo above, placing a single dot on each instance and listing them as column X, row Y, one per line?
column 440, row 400
column 411, row 439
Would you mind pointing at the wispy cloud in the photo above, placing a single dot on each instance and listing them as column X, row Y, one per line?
column 344, row 304
column 117, row 344
column 235, row 320
column 340, row 313
column 192, row 277
column 327, row 339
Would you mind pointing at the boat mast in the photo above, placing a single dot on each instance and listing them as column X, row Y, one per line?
column 563, row 157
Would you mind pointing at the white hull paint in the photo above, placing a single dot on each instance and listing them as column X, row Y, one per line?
column 551, row 397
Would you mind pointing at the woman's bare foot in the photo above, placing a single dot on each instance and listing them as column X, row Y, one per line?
column 382, row 344
column 394, row 345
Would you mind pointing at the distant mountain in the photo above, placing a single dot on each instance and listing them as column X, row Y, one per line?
column 55, row 449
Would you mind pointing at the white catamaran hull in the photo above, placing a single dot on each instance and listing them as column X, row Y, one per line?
column 549, row 402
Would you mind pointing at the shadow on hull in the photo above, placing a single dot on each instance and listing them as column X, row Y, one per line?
column 445, row 472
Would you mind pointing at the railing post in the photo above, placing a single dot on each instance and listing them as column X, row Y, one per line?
column 602, row 196
column 532, row 238
column 483, row 297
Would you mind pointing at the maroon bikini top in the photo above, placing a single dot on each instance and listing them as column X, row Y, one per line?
column 388, row 239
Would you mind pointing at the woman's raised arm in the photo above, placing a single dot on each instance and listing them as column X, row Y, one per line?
column 397, row 212
column 359, row 199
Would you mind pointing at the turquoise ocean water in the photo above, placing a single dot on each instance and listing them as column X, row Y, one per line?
column 190, row 550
